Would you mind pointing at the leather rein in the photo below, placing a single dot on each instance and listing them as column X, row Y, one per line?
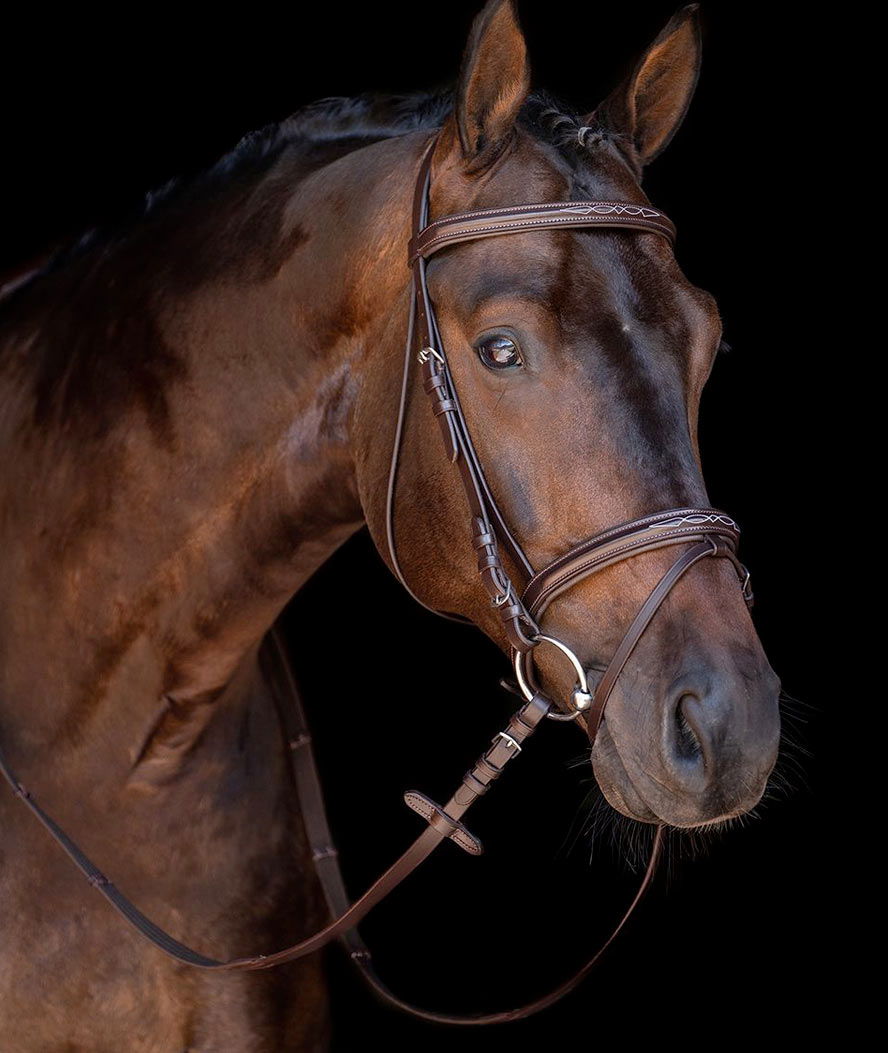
column 702, row 532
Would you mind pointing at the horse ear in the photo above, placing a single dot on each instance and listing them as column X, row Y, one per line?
column 650, row 104
column 493, row 82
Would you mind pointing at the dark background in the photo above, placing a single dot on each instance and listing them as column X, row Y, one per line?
column 100, row 108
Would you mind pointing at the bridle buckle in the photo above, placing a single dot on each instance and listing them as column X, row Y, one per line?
column 425, row 353
column 508, row 738
column 504, row 596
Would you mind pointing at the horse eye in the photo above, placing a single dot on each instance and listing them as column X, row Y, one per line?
column 498, row 352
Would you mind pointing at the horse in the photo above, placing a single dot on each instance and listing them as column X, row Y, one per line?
column 198, row 411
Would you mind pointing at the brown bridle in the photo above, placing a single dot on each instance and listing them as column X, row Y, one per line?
column 707, row 532
column 711, row 532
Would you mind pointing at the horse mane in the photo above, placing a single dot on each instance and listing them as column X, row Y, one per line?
column 352, row 122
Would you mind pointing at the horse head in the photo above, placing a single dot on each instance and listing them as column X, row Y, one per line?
column 579, row 357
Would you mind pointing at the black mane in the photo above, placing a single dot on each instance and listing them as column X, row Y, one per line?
column 363, row 118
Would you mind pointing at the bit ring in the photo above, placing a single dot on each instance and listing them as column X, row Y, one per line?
column 529, row 686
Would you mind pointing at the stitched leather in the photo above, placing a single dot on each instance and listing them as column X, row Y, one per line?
column 469, row 226
column 453, row 829
column 671, row 527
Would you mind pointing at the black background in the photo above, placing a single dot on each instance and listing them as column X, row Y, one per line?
column 100, row 108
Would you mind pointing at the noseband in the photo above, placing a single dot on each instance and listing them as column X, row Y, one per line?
column 701, row 532
column 708, row 531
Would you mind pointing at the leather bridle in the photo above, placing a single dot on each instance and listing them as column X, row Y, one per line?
column 701, row 532
column 709, row 531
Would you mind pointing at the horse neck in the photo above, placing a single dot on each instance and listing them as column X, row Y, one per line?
column 158, row 549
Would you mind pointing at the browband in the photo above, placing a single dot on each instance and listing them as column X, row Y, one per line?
column 489, row 222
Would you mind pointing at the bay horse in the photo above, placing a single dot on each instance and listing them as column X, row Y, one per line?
column 197, row 411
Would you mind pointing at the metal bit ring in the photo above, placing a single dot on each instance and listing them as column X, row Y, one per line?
column 529, row 687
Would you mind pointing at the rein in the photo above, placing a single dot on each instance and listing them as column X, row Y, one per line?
column 702, row 532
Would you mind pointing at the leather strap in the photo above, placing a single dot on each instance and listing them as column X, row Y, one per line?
column 475, row 783
column 671, row 527
column 491, row 222
column 487, row 520
column 488, row 767
column 488, row 525
column 639, row 623
column 443, row 823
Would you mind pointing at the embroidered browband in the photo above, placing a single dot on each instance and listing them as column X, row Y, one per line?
column 490, row 222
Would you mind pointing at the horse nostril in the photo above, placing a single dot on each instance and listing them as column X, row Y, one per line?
column 687, row 743
column 716, row 740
